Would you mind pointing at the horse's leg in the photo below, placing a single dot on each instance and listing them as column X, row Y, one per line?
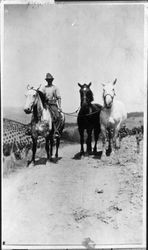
column 57, row 146
column 114, row 140
column 96, row 136
column 34, row 146
column 81, row 132
column 120, row 139
column 47, row 147
column 116, row 135
column 51, row 147
column 104, row 139
column 109, row 140
column 88, row 141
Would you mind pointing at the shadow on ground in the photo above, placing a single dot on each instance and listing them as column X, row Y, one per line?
column 96, row 155
column 43, row 161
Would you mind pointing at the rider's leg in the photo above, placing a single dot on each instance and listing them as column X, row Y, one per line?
column 56, row 120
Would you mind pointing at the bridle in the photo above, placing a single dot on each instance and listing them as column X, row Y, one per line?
column 112, row 97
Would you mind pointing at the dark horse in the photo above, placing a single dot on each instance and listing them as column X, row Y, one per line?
column 41, row 122
column 88, row 119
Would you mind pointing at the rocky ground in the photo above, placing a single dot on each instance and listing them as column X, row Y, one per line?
column 87, row 201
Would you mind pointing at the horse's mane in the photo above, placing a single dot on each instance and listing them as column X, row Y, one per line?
column 36, row 112
column 42, row 97
column 91, row 95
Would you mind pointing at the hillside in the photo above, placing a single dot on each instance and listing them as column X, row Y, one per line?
column 135, row 114
column 17, row 114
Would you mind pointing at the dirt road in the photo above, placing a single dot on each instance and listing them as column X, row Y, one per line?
column 76, row 201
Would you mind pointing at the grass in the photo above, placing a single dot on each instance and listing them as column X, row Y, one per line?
column 71, row 132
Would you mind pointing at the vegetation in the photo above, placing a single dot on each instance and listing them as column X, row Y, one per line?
column 71, row 133
column 135, row 114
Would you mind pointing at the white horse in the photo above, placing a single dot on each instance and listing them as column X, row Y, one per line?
column 41, row 123
column 111, row 117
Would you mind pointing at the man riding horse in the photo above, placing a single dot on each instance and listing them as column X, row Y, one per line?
column 53, row 102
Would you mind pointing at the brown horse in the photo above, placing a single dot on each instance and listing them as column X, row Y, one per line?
column 88, row 118
column 41, row 123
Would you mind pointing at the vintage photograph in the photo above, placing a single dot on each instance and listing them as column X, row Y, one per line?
column 74, row 99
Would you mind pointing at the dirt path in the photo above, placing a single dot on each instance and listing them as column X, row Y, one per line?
column 76, row 200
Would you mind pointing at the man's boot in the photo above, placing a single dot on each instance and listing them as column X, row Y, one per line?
column 56, row 132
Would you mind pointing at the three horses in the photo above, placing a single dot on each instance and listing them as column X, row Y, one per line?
column 92, row 117
column 41, row 122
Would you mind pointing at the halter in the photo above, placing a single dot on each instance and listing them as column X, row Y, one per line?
column 112, row 97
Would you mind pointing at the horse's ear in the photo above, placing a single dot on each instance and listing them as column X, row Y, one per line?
column 115, row 81
column 79, row 85
column 28, row 86
column 89, row 84
column 39, row 87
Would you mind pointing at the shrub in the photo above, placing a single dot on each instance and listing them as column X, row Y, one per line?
column 71, row 134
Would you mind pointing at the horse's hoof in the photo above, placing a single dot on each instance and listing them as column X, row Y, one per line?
column 95, row 152
column 47, row 163
column 82, row 153
column 31, row 164
column 51, row 159
column 103, row 159
column 103, row 156
column 88, row 153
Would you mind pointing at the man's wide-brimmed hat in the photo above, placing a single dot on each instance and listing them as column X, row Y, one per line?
column 49, row 77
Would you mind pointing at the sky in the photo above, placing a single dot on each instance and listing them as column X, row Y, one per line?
column 75, row 43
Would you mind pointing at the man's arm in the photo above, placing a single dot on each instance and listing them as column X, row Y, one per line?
column 58, row 97
column 59, row 103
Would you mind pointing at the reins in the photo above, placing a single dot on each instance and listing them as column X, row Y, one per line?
column 72, row 114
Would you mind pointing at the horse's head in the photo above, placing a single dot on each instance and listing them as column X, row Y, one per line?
column 108, row 93
column 86, row 94
column 31, row 99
